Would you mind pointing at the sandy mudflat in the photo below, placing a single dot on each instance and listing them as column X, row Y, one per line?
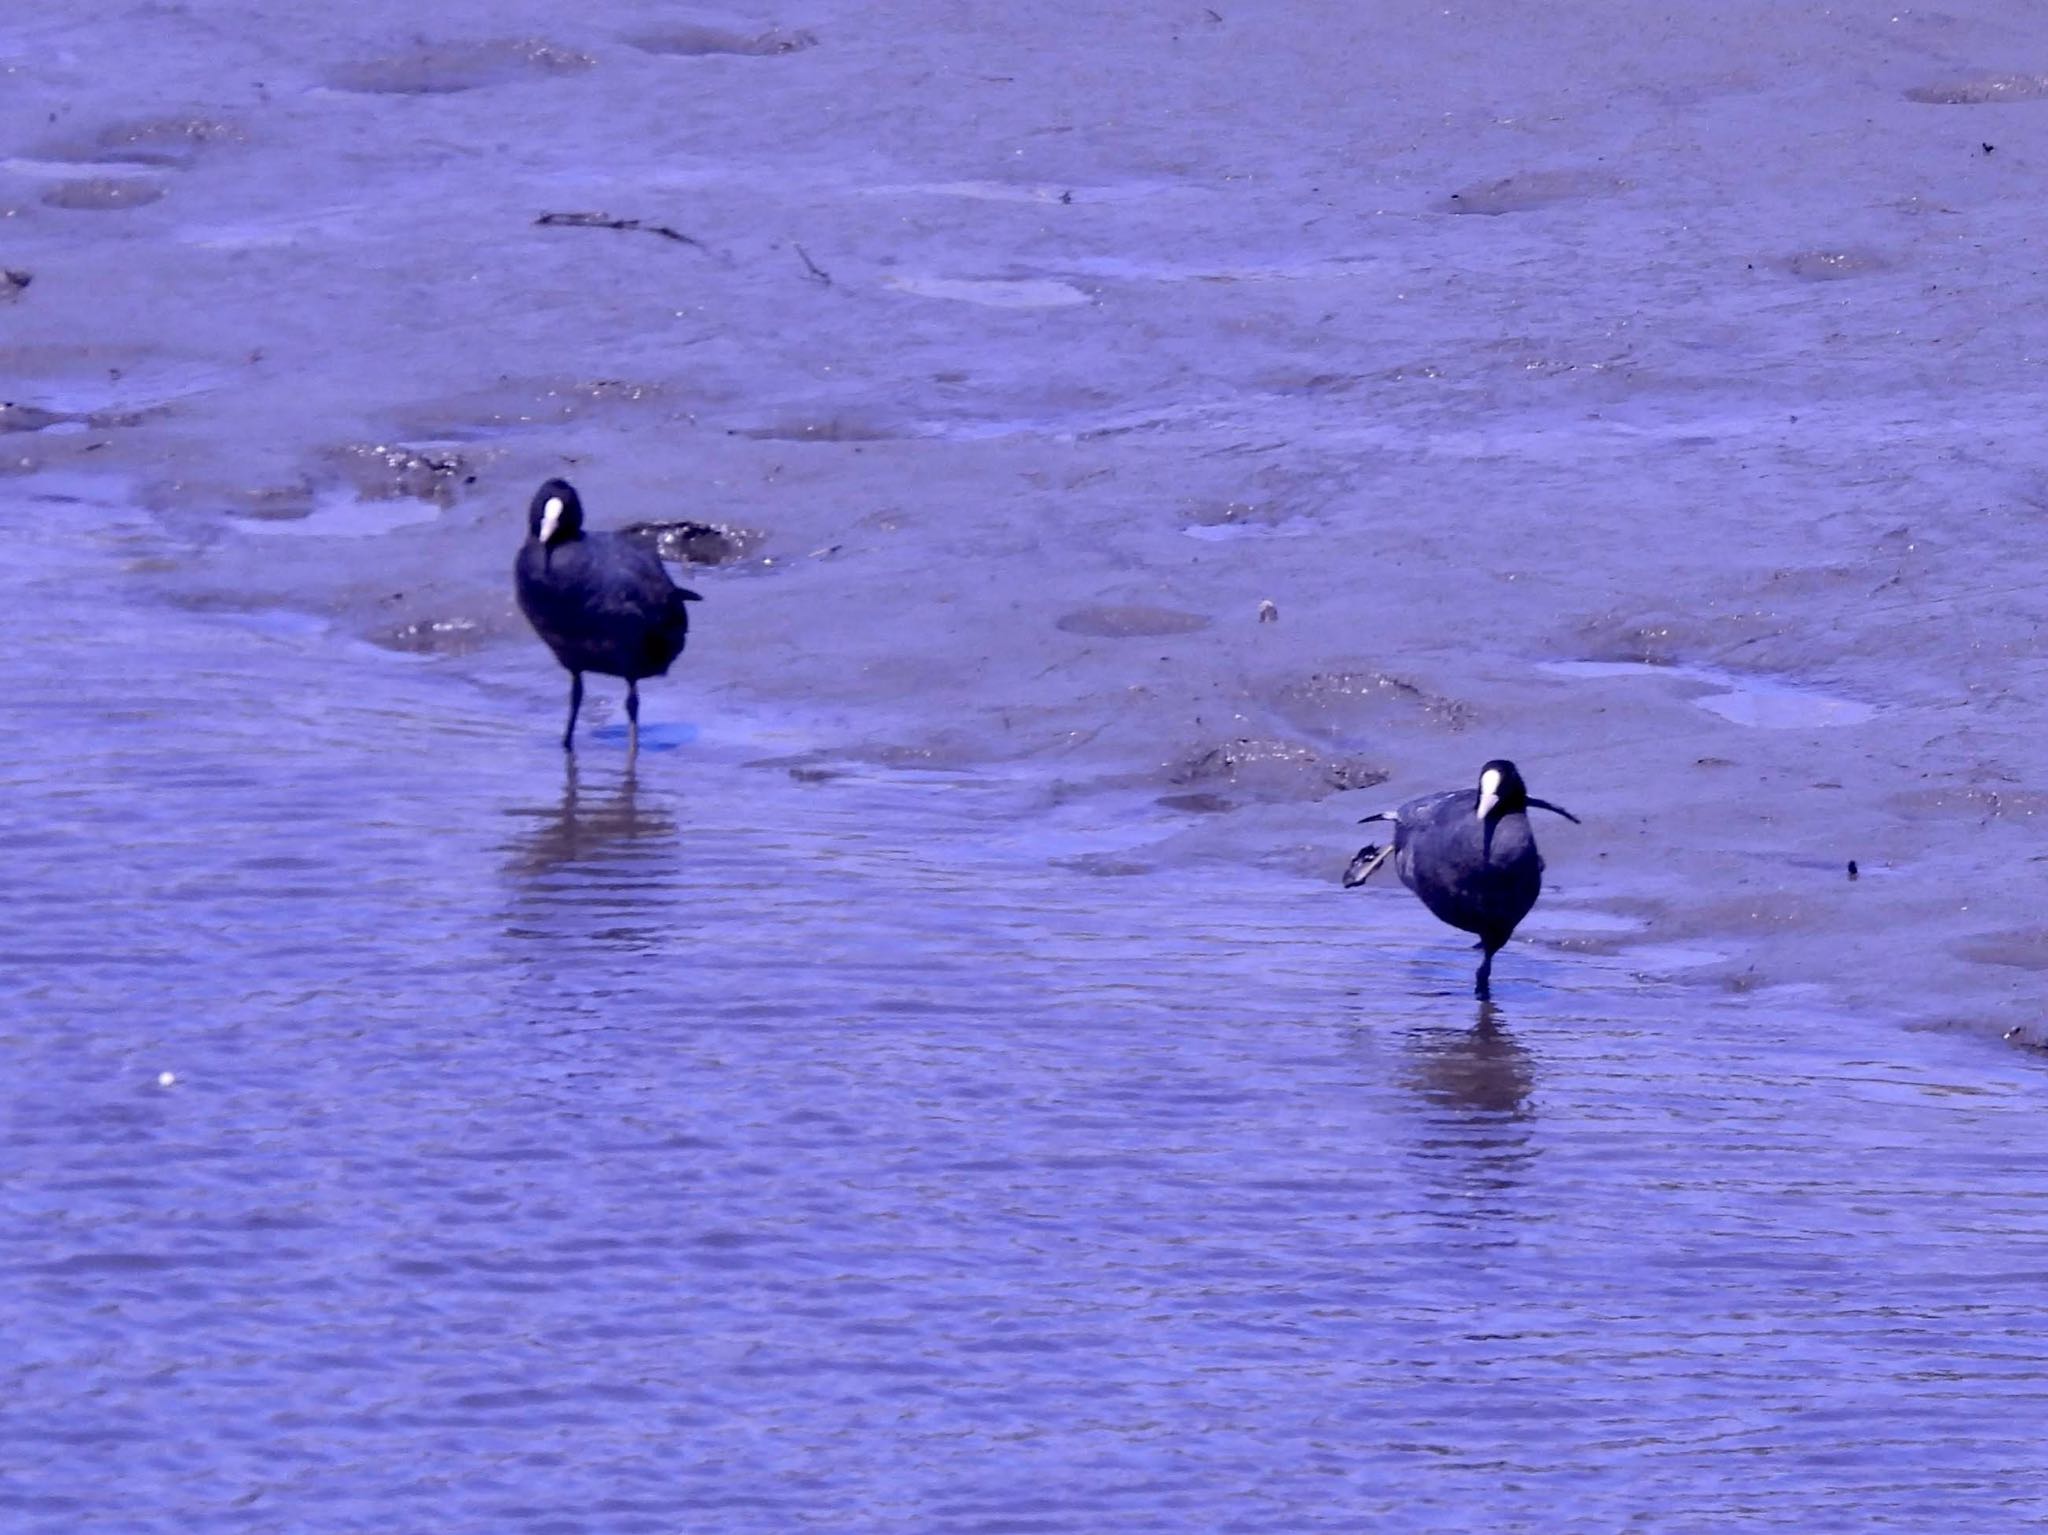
column 1028, row 350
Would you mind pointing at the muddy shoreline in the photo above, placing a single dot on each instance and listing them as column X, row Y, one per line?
column 1035, row 388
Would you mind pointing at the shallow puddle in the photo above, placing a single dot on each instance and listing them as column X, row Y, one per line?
column 84, row 382
column 1138, row 269
column 343, row 514
column 1230, row 532
column 993, row 293
column 1766, row 702
column 68, row 170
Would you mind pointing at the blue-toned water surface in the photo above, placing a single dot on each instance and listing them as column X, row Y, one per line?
column 698, row 1146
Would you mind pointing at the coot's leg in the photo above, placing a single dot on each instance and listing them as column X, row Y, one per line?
column 1483, row 987
column 575, row 703
column 632, row 718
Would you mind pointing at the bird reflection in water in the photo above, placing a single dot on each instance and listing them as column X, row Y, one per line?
column 599, row 866
column 1475, row 1085
column 1481, row 1070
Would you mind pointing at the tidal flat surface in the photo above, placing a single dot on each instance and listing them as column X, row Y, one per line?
column 941, row 1085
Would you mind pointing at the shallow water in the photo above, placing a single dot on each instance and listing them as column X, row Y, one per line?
column 342, row 515
column 1770, row 703
column 563, row 1147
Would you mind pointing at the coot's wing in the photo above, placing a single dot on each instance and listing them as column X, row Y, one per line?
column 631, row 578
column 652, row 571
column 1432, row 808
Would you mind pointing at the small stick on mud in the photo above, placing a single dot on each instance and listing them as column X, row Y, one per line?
column 606, row 221
column 811, row 268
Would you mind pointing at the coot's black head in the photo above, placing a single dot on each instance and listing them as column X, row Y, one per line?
column 556, row 516
column 1502, row 792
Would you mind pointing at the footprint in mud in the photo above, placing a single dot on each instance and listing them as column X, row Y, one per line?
column 1832, row 265
column 1528, row 191
column 166, row 143
column 1981, row 90
column 1129, row 620
column 13, row 283
column 442, row 69
column 1357, row 706
column 103, row 193
column 1265, row 770
column 698, row 42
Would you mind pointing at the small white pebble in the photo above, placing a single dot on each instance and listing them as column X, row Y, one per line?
column 1269, row 611
column 167, row 1079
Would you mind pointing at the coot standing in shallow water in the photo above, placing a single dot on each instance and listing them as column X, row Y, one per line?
column 602, row 601
column 1469, row 854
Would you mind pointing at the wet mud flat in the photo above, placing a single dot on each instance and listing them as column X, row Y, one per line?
column 1013, row 398
column 946, row 1068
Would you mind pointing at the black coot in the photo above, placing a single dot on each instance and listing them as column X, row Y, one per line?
column 1469, row 854
column 602, row 601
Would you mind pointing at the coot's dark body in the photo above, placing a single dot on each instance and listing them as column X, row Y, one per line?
column 1440, row 853
column 602, row 601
